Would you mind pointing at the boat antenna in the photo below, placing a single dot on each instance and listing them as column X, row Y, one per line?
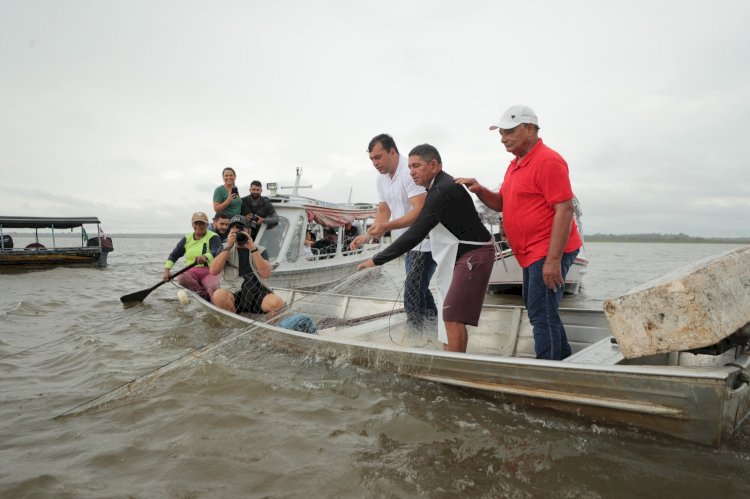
column 296, row 187
column 349, row 201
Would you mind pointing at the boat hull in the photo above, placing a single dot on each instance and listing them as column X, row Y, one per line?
column 703, row 405
column 53, row 257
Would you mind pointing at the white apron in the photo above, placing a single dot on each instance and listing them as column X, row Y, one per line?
column 444, row 250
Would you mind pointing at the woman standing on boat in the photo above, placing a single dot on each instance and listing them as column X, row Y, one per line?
column 226, row 196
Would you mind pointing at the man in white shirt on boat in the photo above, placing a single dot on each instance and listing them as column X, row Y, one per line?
column 399, row 202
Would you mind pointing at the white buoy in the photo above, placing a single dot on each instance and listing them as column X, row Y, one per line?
column 183, row 297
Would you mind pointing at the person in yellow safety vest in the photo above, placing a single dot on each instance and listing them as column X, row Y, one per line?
column 198, row 247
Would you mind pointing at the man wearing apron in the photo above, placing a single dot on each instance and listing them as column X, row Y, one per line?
column 537, row 204
column 461, row 245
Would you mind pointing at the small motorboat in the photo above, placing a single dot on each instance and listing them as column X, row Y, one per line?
column 64, row 241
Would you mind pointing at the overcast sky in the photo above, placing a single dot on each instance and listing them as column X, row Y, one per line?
column 130, row 110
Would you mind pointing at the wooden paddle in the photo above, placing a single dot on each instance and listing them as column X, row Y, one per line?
column 139, row 296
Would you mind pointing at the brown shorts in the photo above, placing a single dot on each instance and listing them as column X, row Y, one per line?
column 471, row 274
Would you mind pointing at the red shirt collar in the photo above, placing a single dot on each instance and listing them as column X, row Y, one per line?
column 526, row 159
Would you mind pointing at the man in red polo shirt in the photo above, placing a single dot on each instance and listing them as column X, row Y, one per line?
column 537, row 204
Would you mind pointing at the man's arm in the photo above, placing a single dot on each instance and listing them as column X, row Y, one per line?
column 493, row 200
column 176, row 253
column 220, row 260
column 217, row 264
column 407, row 220
column 382, row 215
column 561, row 224
column 428, row 218
column 261, row 264
column 270, row 218
column 215, row 245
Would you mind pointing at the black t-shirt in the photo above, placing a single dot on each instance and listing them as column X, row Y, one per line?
column 447, row 203
column 244, row 257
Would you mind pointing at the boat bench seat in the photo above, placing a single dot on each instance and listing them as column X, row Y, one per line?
column 603, row 352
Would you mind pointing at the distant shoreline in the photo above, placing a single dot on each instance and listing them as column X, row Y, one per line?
column 589, row 238
column 662, row 238
column 594, row 238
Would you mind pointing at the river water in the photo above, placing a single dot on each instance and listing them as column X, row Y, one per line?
column 277, row 425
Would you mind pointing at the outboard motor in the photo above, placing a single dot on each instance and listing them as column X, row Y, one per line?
column 106, row 243
column 7, row 242
column 106, row 248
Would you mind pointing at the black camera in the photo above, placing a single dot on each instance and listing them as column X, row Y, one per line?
column 253, row 222
column 242, row 237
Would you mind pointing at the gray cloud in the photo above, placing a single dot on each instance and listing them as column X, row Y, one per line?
column 130, row 111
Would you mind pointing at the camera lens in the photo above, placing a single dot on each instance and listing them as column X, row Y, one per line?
column 241, row 237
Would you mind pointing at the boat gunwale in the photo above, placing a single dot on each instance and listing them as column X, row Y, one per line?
column 706, row 374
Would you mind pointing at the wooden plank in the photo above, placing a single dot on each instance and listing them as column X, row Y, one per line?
column 693, row 307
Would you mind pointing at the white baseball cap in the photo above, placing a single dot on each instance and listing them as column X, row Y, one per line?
column 514, row 116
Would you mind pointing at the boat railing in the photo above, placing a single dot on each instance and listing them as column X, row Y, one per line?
column 293, row 199
column 317, row 255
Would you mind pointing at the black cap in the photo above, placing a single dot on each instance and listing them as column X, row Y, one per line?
column 238, row 220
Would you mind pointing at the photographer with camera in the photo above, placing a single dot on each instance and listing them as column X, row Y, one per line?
column 243, row 270
column 258, row 209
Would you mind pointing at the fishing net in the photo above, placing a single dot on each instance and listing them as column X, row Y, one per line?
column 383, row 306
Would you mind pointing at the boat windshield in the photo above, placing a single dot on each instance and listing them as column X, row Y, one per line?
column 273, row 238
column 293, row 252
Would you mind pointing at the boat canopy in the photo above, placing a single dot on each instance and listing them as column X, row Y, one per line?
column 328, row 214
column 338, row 217
column 45, row 222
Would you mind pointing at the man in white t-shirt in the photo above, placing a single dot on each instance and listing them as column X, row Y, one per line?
column 399, row 202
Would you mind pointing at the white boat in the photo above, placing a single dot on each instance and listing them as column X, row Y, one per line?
column 507, row 274
column 298, row 268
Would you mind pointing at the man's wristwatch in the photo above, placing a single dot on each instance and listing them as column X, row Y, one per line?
column 253, row 250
